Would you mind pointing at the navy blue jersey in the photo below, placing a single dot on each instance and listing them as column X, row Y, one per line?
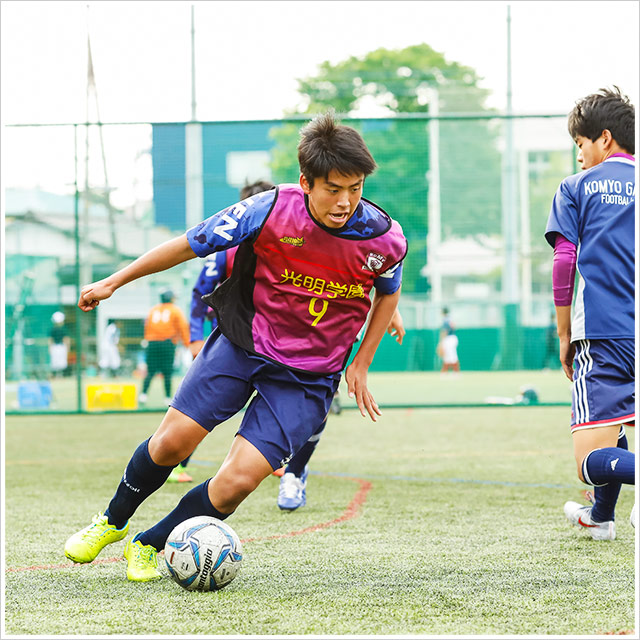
column 213, row 273
column 595, row 210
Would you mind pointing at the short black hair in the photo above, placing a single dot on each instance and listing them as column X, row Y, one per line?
column 255, row 187
column 606, row 109
column 166, row 296
column 326, row 146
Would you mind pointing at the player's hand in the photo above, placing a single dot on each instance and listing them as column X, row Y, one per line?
column 195, row 347
column 396, row 327
column 91, row 294
column 567, row 354
column 356, row 378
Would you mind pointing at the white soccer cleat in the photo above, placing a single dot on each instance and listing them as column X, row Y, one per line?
column 580, row 516
column 293, row 491
column 632, row 517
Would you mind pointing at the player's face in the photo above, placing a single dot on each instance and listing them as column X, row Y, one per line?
column 334, row 200
column 590, row 153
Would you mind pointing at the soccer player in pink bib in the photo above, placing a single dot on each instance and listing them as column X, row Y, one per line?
column 591, row 227
column 308, row 257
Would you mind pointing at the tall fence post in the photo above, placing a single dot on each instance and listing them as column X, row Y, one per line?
column 78, row 312
column 511, row 356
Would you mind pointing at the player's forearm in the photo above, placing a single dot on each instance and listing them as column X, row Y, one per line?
column 163, row 257
column 563, row 321
column 382, row 310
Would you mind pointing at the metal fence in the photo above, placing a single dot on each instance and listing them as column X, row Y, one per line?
column 471, row 191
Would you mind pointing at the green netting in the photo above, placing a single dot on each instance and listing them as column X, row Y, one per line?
column 472, row 205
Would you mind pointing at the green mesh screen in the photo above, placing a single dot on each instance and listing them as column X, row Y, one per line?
column 471, row 193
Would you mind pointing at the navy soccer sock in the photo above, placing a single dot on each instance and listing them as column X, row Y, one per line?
column 141, row 478
column 609, row 468
column 185, row 462
column 301, row 458
column 194, row 503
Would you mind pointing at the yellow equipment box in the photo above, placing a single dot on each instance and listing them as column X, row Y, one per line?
column 104, row 397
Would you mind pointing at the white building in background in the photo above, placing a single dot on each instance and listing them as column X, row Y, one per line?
column 40, row 245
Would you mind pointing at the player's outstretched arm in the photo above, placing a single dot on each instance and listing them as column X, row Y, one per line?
column 382, row 310
column 160, row 258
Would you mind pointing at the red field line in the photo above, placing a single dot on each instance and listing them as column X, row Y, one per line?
column 352, row 511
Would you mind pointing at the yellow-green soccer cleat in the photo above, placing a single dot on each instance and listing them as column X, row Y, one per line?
column 87, row 543
column 142, row 561
column 179, row 474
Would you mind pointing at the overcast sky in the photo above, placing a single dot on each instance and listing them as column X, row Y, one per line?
column 249, row 54
column 248, row 57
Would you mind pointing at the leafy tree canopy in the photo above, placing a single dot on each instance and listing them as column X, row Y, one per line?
column 401, row 82
column 398, row 79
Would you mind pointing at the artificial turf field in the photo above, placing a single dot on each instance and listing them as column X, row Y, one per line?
column 429, row 522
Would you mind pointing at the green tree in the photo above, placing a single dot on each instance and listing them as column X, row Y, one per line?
column 401, row 82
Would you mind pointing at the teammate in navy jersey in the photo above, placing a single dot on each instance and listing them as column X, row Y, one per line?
column 591, row 227
column 288, row 316
column 215, row 270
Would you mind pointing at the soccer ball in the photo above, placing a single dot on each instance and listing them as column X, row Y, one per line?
column 203, row 554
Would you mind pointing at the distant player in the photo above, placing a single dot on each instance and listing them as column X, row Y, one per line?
column 308, row 256
column 448, row 344
column 58, row 345
column 109, row 353
column 164, row 327
column 591, row 227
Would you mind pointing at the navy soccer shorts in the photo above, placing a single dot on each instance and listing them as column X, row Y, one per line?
column 603, row 384
column 287, row 409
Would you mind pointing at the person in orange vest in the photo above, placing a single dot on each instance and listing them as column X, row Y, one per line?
column 165, row 326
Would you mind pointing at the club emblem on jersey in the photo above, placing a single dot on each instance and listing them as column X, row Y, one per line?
column 374, row 262
column 296, row 242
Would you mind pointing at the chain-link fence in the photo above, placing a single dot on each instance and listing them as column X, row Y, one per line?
column 472, row 193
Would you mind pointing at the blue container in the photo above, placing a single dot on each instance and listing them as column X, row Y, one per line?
column 34, row 395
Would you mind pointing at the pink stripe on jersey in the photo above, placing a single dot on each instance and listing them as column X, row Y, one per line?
column 564, row 271
column 628, row 156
